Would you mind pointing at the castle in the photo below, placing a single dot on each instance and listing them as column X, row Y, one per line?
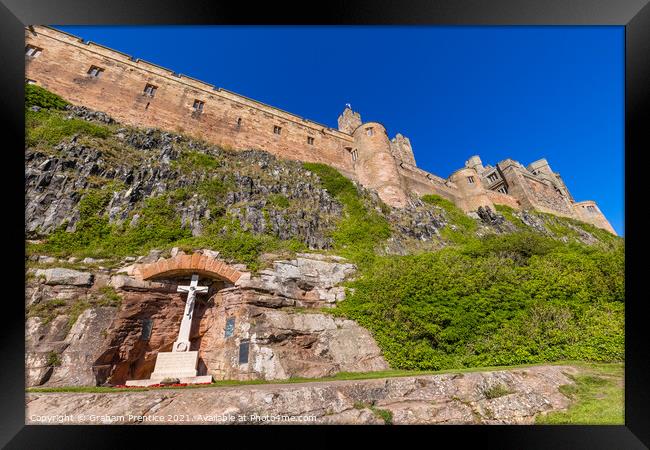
column 140, row 93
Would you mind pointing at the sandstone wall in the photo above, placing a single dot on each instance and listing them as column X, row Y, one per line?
column 499, row 198
column 592, row 215
column 119, row 90
column 533, row 193
column 422, row 183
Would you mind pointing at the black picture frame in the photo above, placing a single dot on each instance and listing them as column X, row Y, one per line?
column 634, row 15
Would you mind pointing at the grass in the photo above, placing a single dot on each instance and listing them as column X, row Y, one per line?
column 597, row 398
column 465, row 226
column 496, row 391
column 341, row 376
column 49, row 127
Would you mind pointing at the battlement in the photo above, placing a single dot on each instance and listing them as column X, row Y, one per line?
column 140, row 93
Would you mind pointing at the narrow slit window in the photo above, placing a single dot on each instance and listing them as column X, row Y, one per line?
column 310, row 140
column 150, row 90
column 239, row 123
column 95, row 71
column 503, row 190
column 33, row 51
column 277, row 129
column 493, row 177
column 198, row 105
column 355, row 154
column 370, row 131
column 470, row 180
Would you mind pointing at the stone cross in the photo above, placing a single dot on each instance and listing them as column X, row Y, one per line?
column 182, row 343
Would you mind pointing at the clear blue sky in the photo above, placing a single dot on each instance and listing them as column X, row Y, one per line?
column 499, row 92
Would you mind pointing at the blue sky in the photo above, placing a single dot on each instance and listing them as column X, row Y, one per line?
column 499, row 92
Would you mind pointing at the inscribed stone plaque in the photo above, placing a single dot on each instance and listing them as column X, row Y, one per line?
column 230, row 327
column 243, row 352
column 147, row 325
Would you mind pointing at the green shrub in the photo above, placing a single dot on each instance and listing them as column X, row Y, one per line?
column 474, row 305
column 37, row 96
column 361, row 228
column 53, row 359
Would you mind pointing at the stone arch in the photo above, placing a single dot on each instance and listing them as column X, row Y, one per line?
column 204, row 265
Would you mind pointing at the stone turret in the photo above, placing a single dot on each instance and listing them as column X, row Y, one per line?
column 376, row 166
column 473, row 194
column 349, row 120
column 475, row 163
column 401, row 147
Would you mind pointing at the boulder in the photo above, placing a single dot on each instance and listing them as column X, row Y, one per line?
column 65, row 276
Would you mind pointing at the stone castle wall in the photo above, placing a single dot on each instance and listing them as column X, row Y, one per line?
column 227, row 118
column 385, row 165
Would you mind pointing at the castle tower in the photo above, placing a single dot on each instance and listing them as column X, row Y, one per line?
column 401, row 147
column 376, row 167
column 472, row 192
column 475, row 163
column 349, row 120
column 588, row 211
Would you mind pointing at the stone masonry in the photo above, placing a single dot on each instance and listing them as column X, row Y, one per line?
column 143, row 94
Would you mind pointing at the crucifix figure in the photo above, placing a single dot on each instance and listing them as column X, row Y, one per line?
column 182, row 343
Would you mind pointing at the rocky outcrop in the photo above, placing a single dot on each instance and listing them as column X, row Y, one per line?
column 514, row 396
column 149, row 163
column 308, row 280
column 273, row 313
column 59, row 276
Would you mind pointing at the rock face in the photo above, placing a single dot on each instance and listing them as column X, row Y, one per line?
column 429, row 399
column 265, row 326
column 65, row 277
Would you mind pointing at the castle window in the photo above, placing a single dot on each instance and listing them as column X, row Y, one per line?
column 470, row 180
column 198, row 105
column 239, row 124
column 503, row 190
column 95, row 71
column 355, row 154
column 591, row 208
column 150, row 90
column 32, row 51
column 370, row 131
column 29, row 81
column 277, row 129
column 493, row 177
column 310, row 140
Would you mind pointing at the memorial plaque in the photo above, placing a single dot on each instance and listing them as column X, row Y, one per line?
column 230, row 327
column 147, row 325
column 243, row 351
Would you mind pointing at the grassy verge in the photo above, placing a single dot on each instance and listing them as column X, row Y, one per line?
column 597, row 398
column 341, row 376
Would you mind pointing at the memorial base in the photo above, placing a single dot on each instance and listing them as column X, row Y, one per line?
column 181, row 365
